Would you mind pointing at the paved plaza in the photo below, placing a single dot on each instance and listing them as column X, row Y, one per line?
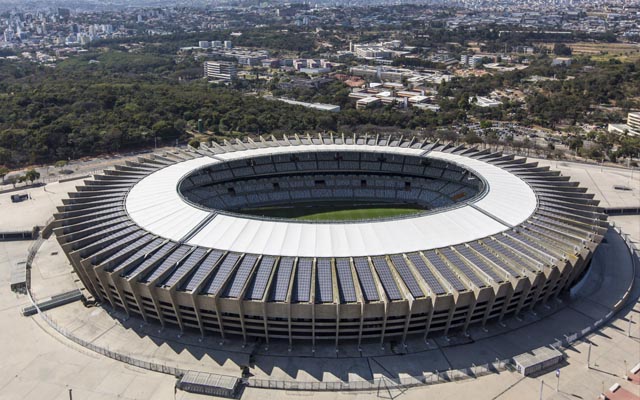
column 39, row 363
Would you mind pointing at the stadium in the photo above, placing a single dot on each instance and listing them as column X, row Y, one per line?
column 328, row 238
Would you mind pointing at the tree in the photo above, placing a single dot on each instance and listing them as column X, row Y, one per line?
column 3, row 172
column 195, row 143
column 32, row 175
column 61, row 164
column 471, row 138
column 561, row 49
column 484, row 124
column 13, row 179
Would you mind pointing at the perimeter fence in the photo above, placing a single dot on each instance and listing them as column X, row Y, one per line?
column 381, row 383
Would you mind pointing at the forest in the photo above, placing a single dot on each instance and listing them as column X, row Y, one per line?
column 111, row 99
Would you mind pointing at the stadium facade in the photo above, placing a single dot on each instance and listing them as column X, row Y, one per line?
column 164, row 238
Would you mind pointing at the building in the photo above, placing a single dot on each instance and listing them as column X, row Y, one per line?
column 633, row 120
column 9, row 35
column 222, row 70
column 631, row 128
column 368, row 102
column 164, row 239
column 315, row 106
column 204, row 44
column 482, row 101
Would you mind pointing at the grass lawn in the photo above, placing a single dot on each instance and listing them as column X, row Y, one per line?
column 336, row 212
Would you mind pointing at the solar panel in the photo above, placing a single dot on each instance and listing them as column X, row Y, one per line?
column 479, row 263
column 185, row 267
column 365, row 277
column 558, row 225
column 206, row 266
column 554, row 232
column 261, row 278
column 384, row 273
column 168, row 263
column 157, row 256
column 103, row 232
column 407, row 276
column 445, row 271
column 464, row 268
column 222, row 274
column 491, row 257
column 282, row 278
column 302, row 285
column 345, row 281
column 502, row 249
column 130, row 234
column 138, row 254
column 426, row 273
column 514, row 245
column 560, row 244
column 241, row 276
column 324, row 281
column 546, row 251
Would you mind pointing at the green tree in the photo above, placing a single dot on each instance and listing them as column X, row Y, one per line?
column 3, row 172
column 32, row 175
column 561, row 49
column 13, row 180
column 195, row 143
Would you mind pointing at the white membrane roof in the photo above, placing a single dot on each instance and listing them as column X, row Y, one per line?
column 155, row 204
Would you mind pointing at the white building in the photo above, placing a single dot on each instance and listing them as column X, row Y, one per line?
column 222, row 70
column 631, row 128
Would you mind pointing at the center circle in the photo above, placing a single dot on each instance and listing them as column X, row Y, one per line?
column 330, row 186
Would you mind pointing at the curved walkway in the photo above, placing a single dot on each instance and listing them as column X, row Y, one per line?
column 558, row 322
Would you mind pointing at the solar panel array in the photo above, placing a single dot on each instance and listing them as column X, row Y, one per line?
column 302, row 286
column 445, row 271
column 222, row 274
column 241, row 276
column 282, row 278
column 426, row 273
column 384, row 273
column 168, row 263
column 405, row 273
column 187, row 265
column 548, row 251
column 261, row 278
column 365, row 277
column 103, row 232
column 478, row 262
column 324, row 281
column 506, row 267
column 502, row 249
column 138, row 254
column 520, row 248
column 125, row 250
column 462, row 266
column 345, row 281
column 129, row 237
column 157, row 256
column 207, row 265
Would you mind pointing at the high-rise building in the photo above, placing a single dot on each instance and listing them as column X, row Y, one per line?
column 223, row 70
column 633, row 121
column 8, row 35
column 631, row 128
column 64, row 13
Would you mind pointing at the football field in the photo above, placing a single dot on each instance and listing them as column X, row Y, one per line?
column 335, row 212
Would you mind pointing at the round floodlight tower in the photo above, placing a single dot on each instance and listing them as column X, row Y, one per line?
column 170, row 238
